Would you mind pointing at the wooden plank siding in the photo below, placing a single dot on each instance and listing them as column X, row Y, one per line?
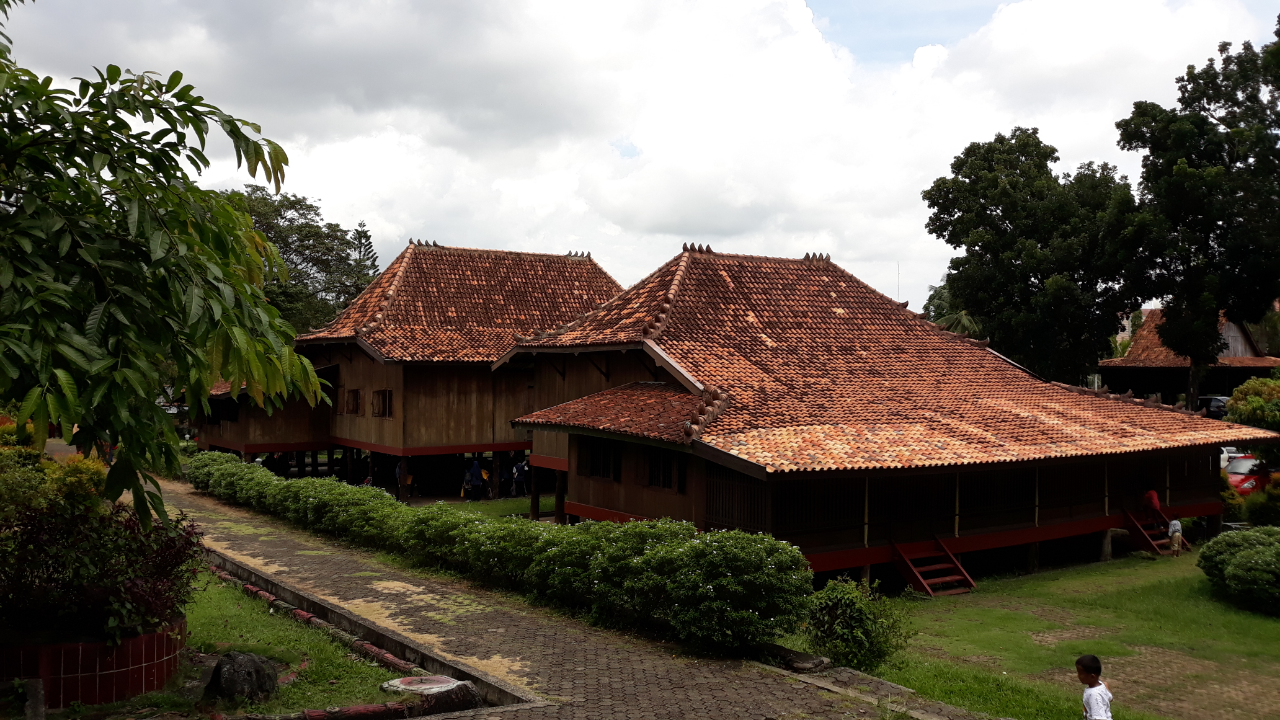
column 839, row 514
column 296, row 426
column 561, row 377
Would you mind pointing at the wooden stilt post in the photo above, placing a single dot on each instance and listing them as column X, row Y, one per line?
column 535, row 504
column 562, row 488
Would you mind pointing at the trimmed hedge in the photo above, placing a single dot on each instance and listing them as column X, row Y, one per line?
column 1245, row 564
column 724, row 590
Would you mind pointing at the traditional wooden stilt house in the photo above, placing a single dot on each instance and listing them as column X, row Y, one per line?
column 786, row 396
column 1150, row 368
column 408, row 361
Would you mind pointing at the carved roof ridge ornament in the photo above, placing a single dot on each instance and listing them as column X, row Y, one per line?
column 714, row 402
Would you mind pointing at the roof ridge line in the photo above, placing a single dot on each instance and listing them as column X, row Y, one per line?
column 658, row 323
column 1129, row 399
column 390, row 293
column 714, row 402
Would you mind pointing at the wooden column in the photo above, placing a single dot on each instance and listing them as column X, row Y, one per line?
column 350, row 463
column 534, row 500
column 497, row 474
column 315, row 463
column 562, row 488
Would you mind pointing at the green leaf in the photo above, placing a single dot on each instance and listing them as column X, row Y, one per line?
column 175, row 79
column 132, row 208
column 6, row 273
column 113, row 74
column 93, row 323
column 157, row 245
column 29, row 404
column 100, row 161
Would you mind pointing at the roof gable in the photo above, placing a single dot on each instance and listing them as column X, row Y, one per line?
column 436, row 303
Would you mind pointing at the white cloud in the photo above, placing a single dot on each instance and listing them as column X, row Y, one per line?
column 628, row 128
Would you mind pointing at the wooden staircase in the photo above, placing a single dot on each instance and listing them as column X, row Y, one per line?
column 1151, row 534
column 933, row 572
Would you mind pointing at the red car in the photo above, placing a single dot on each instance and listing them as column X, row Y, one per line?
column 1248, row 474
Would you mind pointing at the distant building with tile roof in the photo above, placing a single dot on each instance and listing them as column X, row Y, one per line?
column 408, row 361
column 787, row 396
column 1150, row 368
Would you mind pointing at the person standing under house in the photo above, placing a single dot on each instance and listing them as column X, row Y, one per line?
column 404, row 481
column 518, row 474
column 1175, row 536
column 475, row 477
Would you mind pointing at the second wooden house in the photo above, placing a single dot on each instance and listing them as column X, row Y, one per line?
column 408, row 362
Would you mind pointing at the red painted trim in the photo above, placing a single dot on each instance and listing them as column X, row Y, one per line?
column 551, row 463
column 592, row 512
column 856, row 557
column 431, row 449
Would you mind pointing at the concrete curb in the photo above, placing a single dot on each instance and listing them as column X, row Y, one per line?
column 383, row 645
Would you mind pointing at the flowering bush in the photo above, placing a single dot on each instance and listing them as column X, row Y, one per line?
column 718, row 590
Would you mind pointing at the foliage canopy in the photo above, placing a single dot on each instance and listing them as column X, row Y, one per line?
column 114, row 265
column 1210, row 195
column 327, row 265
column 1041, row 251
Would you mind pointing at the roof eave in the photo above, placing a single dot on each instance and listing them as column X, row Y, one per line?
column 561, row 349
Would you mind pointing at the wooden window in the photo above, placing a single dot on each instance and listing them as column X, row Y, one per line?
column 600, row 458
column 668, row 469
column 354, row 407
column 382, row 403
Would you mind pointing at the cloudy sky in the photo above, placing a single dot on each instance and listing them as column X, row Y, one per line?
column 626, row 128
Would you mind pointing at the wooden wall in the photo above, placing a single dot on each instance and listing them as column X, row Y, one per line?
column 295, row 423
column 359, row 371
column 561, row 377
column 834, row 513
column 632, row 492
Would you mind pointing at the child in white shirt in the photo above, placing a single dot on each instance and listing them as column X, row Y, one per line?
column 1097, row 698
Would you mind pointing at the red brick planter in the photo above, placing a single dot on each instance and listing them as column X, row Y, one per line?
column 95, row 672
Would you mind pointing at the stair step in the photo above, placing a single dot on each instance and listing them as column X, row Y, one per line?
column 943, row 579
column 939, row 566
column 953, row 591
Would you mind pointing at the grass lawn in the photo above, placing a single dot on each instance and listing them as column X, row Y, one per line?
column 222, row 618
column 1009, row 648
column 508, row 506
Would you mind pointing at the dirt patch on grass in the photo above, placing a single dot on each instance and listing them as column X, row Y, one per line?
column 1180, row 686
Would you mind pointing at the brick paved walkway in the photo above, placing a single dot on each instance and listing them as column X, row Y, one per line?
column 585, row 672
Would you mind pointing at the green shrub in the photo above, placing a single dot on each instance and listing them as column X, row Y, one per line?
column 1253, row 577
column 1216, row 554
column 11, row 436
column 727, row 589
column 1263, row 506
column 1233, row 504
column 427, row 535
column 856, row 626
column 200, row 469
column 721, row 590
column 501, row 551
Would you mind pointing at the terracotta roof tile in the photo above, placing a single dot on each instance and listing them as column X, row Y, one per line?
column 1146, row 350
column 436, row 303
column 826, row 373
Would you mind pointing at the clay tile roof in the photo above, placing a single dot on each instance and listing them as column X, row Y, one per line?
column 436, row 303
column 648, row 409
column 1146, row 350
column 824, row 373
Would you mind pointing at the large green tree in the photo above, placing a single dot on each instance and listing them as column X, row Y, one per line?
column 327, row 264
column 1041, row 251
column 114, row 265
column 1210, row 193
